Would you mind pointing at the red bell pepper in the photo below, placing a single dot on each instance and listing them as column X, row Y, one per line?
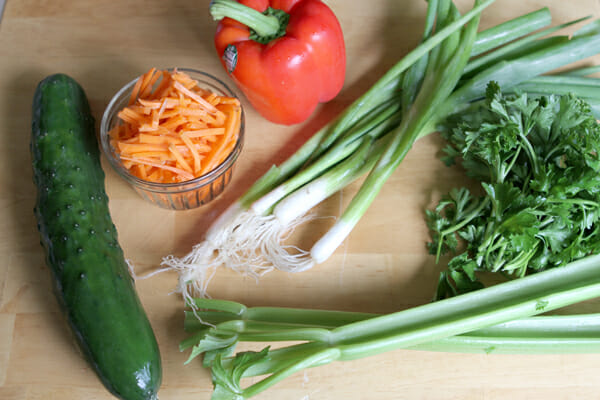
column 286, row 56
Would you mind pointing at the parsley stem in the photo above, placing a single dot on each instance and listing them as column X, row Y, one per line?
column 511, row 164
column 467, row 218
column 531, row 155
column 578, row 201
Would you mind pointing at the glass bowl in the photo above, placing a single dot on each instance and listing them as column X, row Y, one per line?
column 175, row 196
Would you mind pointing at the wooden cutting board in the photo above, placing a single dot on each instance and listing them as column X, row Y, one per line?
column 382, row 267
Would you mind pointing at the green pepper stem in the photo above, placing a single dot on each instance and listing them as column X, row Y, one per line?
column 263, row 25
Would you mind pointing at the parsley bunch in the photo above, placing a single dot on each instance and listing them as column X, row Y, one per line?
column 538, row 164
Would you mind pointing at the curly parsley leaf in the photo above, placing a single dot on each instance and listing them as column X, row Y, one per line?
column 538, row 164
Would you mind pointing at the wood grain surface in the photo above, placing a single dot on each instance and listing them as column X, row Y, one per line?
column 382, row 267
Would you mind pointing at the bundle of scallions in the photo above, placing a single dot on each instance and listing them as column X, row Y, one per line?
column 448, row 70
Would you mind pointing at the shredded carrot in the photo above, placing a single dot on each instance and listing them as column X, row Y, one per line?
column 225, row 145
column 173, row 130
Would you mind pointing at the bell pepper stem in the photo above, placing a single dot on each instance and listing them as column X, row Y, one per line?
column 262, row 24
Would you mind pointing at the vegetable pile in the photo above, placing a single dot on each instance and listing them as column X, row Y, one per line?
column 173, row 130
column 531, row 140
column 533, row 145
column 442, row 76
column 538, row 163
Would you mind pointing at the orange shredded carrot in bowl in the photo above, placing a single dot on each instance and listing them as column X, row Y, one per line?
column 173, row 130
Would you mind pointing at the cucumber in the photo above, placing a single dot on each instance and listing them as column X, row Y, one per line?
column 91, row 276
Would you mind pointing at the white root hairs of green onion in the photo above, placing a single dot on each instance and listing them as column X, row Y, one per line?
column 243, row 241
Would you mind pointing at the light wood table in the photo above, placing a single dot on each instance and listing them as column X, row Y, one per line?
column 382, row 267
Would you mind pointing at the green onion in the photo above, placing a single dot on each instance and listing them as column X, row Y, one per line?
column 509, row 31
column 521, row 46
column 442, row 73
column 236, row 248
column 584, row 71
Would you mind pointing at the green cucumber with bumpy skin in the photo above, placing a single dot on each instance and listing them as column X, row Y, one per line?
column 91, row 276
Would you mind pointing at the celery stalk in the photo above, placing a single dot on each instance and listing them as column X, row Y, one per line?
column 494, row 319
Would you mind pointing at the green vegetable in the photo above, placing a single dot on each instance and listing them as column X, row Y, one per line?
column 494, row 319
column 91, row 277
column 219, row 330
column 437, row 79
column 538, row 164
